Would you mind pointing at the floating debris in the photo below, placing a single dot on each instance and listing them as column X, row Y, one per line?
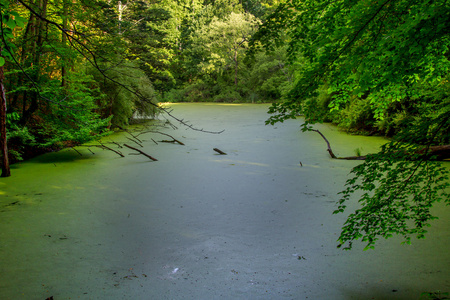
column 219, row 151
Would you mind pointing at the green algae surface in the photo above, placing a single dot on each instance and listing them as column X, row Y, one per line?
column 254, row 223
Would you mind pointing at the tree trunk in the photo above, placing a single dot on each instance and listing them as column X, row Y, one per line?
column 36, row 61
column 236, row 64
column 6, row 172
column 64, row 40
column 28, row 46
column 439, row 152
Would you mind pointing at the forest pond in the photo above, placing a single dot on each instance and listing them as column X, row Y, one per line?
column 256, row 223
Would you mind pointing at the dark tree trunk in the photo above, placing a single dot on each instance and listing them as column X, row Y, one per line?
column 6, row 172
column 236, row 64
column 64, row 40
column 36, row 61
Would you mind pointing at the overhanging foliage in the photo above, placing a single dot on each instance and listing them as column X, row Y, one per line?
column 393, row 58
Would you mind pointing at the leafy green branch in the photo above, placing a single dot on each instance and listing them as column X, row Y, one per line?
column 399, row 186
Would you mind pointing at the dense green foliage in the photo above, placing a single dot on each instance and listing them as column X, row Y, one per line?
column 373, row 66
column 75, row 69
column 398, row 186
column 372, row 57
column 71, row 72
column 211, row 60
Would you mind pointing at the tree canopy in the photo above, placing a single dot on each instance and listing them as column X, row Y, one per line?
column 381, row 50
column 70, row 71
column 377, row 62
column 61, row 61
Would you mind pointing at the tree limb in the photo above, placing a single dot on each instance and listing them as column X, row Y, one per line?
column 110, row 149
column 441, row 152
column 141, row 152
column 174, row 139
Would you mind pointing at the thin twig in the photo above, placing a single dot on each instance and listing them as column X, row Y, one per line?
column 134, row 141
column 76, row 151
column 118, row 145
column 127, row 131
column 110, row 149
column 154, row 131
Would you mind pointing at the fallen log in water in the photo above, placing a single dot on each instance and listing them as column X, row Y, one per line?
column 438, row 152
column 328, row 143
column 141, row 152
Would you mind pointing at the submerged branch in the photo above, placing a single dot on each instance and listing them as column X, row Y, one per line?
column 328, row 143
column 134, row 141
column 437, row 152
column 219, row 151
column 110, row 149
column 76, row 151
column 141, row 152
column 174, row 140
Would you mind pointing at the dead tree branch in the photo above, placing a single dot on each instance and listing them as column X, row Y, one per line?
column 174, row 140
column 219, row 151
column 331, row 151
column 328, row 143
column 141, row 152
column 127, row 131
column 76, row 151
column 438, row 152
column 136, row 142
column 110, row 149
column 120, row 146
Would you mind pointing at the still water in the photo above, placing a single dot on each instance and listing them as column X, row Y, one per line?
column 252, row 224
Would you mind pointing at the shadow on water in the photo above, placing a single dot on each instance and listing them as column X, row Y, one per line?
column 63, row 156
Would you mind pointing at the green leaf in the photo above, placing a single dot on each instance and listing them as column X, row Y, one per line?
column 20, row 21
column 7, row 33
column 11, row 23
column 6, row 54
column 2, row 61
column 15, row 14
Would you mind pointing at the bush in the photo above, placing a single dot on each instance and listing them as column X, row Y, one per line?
column 198, row 92
column 228, row 94
column 174, row 95
column 357, row 116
